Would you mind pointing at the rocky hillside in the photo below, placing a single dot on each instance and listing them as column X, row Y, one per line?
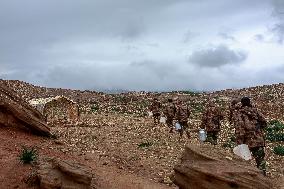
column 268, row 98
column 114, row 128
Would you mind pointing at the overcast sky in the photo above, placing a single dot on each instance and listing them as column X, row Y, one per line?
column 142, row 44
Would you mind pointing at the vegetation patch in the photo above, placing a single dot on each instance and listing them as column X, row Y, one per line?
column 94, row 108
column 28, row 155
column 145, row 144
column 274, row 131
column 279, row 150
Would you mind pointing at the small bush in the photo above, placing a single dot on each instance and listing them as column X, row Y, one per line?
column 145, row 144
column 28, row 155
column 94, row 108
column 275, row 126
column 279, row 150
column 274, row 131
column 275, row 137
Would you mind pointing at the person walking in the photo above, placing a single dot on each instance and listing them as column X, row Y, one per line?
column 211, row 122
column 182, row 115
column 155, row 108
column 169, row 112
column 249, row 128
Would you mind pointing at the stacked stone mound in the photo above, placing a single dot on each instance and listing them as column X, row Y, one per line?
column 53, row 173
column 16, row 112
column 203, row 167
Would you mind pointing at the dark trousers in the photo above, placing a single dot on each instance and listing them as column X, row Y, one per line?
column 184, row 128
column 259, row 154
column 212, row 137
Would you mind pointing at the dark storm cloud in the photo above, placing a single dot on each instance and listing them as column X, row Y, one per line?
column 217, row 56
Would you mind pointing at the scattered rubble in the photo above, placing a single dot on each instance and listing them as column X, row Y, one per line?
column 59, row 109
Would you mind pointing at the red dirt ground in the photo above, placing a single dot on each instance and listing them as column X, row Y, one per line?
column 13, row 173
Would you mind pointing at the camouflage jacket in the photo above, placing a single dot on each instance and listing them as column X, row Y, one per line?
column 182, row 113
column 211, row 119
column 232, row 111
column 249, row 125
column 170, row 110
column 155, row 107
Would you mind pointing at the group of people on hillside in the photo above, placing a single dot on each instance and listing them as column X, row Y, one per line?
column 175, row 112
column 247, row 121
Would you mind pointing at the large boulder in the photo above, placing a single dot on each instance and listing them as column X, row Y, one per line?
column 203, row 167
column 54, row 173
column 16, row 112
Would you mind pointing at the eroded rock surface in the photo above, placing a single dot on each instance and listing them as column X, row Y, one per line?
column 53, row 173
column 202, row 167
column 16, row 112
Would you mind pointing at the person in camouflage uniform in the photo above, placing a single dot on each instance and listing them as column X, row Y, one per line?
column 211, row 122
column 233, row 107
column 249, row 127
column 155, row 109
column 169, row 112
column 182, row 115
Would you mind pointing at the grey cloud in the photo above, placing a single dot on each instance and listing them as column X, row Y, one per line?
column 278, row 13
column 226, row 36
column 259, row 37
column 216, row 57
column 123, row 44
column 189, row 35
column 161, row 70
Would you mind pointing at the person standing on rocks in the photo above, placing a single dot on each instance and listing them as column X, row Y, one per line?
column 182, row 114
column 249, row 127
column 211, row 122
column 155, row 109
column 169, row 112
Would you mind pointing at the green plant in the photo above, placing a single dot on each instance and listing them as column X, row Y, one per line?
column 274, row 137
column 28, row 155
column 275, row 126
column 145, row 144
column 94, row 108
column 279, row 150
column 197, row 107
column 274, row 131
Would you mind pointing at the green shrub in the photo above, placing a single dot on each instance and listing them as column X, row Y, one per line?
column 279, row 150
column 145, row 144
column 28, row 155
column 94, row 108
column 275, row 126
column 274, row 131
column 274, row 137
